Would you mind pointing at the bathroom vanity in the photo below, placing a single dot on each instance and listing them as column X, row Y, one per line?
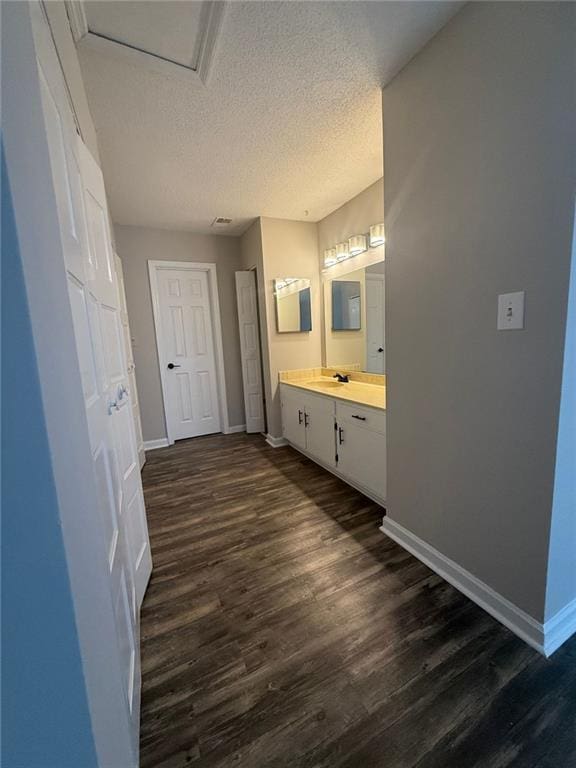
column 341, row 426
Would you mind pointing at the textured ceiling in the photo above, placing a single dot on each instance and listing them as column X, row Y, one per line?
column 288, row 124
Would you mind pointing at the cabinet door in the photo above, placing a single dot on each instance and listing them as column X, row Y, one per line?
column 293, row 426
column 362, row 457
column 320, row 441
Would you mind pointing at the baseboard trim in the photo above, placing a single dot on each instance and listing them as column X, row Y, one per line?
column 560, row 628
column 276, row 442
column 545, row 638
column 151, row 445
column 236, row 428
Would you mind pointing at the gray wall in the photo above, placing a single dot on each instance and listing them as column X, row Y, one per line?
column 479, row 180
column 136, row 246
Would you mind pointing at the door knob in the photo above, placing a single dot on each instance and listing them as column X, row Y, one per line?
column 173, row 365
column 380, row 349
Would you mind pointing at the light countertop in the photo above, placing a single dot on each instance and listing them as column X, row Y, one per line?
column 372, row 395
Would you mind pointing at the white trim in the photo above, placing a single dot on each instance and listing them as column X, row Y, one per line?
column 545, row 638
column 210, row 269
column 560, row 627
column 76, row 19
column 209, row 36
column 151, row 445
column 236, row 428
column 276, row 442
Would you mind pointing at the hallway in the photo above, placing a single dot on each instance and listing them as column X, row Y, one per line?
column 282, row 628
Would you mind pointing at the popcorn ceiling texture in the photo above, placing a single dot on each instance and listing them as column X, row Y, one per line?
column 290, row 120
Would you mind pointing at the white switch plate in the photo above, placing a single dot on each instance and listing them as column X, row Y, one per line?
column 511, row 311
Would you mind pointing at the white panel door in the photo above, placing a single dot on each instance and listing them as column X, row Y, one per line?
column 93, row 294
column 131, row 367
column 375, row 354
column 186, row 353
column 250, row 350
column 128, row 483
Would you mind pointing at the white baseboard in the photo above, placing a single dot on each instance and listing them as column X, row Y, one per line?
column 545, row 638
column 151, row 445
column 276, row 442
column 559, row 628
column 237, row 428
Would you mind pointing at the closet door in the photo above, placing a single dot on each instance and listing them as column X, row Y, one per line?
column 131, row 369
column 94, row 302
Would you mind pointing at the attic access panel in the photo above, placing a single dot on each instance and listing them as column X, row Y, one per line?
column 175, row 36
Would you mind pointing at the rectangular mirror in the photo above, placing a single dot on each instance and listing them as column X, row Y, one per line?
column 346, row 305
column 354, row 319
column 293, row 304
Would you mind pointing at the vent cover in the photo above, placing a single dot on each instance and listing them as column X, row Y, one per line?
column 221, row 221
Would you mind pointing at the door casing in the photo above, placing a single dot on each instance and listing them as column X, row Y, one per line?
column 154, row 266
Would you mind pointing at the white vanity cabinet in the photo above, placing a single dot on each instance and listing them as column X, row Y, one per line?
column 361, row 445
column 347, row 439
column 308, row 423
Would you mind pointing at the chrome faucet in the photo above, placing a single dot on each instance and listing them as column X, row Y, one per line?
column 341, row 377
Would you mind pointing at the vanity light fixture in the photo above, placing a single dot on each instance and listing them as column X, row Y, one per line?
column 357, row 244
column 342, row 251
column 377, row 235
column 330, row 257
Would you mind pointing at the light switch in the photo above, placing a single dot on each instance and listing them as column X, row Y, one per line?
column 511, row 311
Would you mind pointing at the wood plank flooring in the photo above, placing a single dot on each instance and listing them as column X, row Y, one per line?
column 281, row 628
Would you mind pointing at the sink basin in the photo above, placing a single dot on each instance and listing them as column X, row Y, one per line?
column 327, row 384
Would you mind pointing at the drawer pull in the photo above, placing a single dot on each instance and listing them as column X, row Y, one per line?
column 306, row 419
column 340, row 434
column 360, row 418
column 299, row 417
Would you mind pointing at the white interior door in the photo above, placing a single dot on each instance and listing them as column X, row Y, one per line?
column 375, row 354
column 250, row 350
column 131, row 367
column 186, row 351
column 94, row 302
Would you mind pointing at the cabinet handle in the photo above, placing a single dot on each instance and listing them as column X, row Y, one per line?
column 306, row 419
column 340, row 433
column 299, row 417
column 360, row 418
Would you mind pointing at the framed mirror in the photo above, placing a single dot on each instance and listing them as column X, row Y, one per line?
column 293, row 304
column 354, row 319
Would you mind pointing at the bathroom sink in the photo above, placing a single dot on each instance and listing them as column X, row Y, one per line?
column 327, row 384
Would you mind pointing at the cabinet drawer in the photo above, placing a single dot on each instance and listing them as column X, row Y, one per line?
column 369, row 418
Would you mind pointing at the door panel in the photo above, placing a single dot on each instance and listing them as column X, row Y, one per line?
column 320, row 429
column 183, row 315
column 293, row 413
column 85, row 236
column 131, row 368
column 362, row 457
column 250, row 350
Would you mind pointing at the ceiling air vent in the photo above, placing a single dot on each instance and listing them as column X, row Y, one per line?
column 221, row 221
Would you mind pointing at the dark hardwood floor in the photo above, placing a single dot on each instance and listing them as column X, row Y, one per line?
column 281, row 628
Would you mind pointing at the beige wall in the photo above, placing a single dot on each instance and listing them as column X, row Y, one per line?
column 353, row 218
column 136, row 246
column 283, row 248
column 479, row 157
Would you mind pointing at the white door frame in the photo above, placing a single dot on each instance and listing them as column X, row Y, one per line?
column 210, row 269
